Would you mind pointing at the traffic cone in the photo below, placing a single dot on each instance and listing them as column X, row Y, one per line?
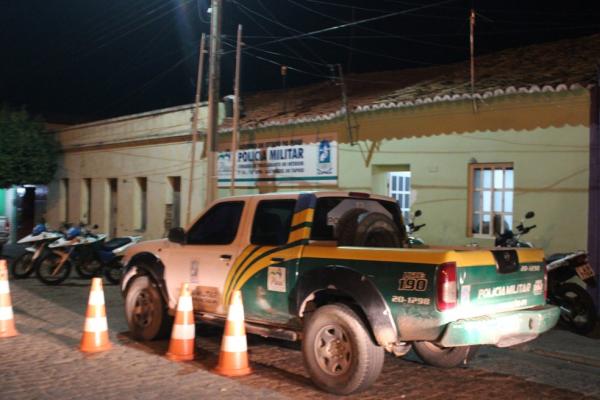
column 233, row 359
column 95, row 330
column 7, row 321
column 181, row 345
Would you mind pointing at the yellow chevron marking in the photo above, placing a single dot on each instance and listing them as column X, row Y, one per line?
column 287, row 254
column 299, row 234
column 303, row 216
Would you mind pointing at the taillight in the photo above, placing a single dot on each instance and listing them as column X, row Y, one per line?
column 446, row 286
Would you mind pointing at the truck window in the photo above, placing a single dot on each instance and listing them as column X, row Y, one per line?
column 322, row 229
column 218, row 226
column 271, row 225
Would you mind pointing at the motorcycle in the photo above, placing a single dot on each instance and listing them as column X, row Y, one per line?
column 110, row 255
column 415, row 241
column 88, row 252
column 73, row 249
column 568, row 276
column 38, row 241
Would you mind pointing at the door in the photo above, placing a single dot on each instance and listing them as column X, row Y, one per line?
column 267, row 281
column 212, row 245
column 399, row 189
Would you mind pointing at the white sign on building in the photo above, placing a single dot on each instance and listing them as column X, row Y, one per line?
column 295, row 164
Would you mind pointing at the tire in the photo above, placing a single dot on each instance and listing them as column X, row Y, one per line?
column 577, row 309
column 442, row 357
column 88, row 269
column 346, row 226
column 358, row 362
column 145, row 310
column 113, row 272
column 23, row 266
column 370, row 230
column 45, row 270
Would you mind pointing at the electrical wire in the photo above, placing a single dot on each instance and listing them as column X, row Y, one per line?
column 267, row 31
column 389, row 35
column 307, row 34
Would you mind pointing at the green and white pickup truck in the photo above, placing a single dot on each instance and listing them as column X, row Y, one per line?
column 332, row 269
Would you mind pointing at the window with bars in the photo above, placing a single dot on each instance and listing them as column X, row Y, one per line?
column 399, row 189
column 491, row 192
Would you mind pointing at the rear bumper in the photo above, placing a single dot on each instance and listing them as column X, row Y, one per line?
column 502, row 330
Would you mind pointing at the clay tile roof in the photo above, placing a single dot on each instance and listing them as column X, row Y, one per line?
column 555, row 66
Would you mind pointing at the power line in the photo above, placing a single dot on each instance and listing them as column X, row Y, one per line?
column 346, row 25
column 389, row 35
column 309, row 34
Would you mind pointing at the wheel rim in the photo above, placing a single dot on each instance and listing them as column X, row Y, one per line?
column 333, row 350
column 48, row 269
column 143, row 309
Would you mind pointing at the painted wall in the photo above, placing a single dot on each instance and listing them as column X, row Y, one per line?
column 154, row 146
column 2, row 201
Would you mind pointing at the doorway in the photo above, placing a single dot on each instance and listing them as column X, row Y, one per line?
column 112, row 206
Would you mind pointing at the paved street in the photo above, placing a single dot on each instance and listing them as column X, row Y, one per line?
column 43, row 362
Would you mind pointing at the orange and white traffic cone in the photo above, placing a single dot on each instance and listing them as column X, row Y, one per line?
column 95, row 330
column 233, row 358
column 181, row 345
column 7, row 320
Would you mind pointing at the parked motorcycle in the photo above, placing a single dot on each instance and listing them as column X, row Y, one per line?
column 111, row 253
column 90, row 255
column 24, row 265
column 568, row 276
column 413, row 240
column 74, row 249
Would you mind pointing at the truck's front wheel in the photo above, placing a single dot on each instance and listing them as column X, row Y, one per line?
column 146, row 311
column 338, row 350
column 443, row 357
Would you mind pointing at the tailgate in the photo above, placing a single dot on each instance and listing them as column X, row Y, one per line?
column 502, row 279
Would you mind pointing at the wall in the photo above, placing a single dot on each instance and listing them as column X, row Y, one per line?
column 154, row 145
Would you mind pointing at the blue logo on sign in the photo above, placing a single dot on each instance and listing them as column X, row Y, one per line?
column 324, row 162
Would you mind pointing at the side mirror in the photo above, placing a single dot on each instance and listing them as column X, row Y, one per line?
column 177, row 235
column 530, row 214
column 418, row 213
column 95, row 226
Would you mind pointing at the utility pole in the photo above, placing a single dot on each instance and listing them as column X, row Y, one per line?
column 195, row 126
column 214, row 72
column 235, row 134
column 472, row 48
column 345, row 104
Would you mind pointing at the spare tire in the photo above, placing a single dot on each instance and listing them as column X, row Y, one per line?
column 358, row 227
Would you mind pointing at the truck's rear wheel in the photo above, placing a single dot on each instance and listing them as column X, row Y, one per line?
column 443, row 357
column 339, row 353
column 146, row 311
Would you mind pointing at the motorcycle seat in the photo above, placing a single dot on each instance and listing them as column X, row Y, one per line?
column 116, row 243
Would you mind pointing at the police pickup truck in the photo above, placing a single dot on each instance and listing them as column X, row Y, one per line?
column 333, row 270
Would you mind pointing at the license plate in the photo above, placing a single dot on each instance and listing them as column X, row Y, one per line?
column 585, row 271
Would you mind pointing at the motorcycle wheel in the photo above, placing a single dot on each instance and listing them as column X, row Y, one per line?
column 47, row 271
column 577, row 309
column 22, row 266
column 113, row 272
column 88, row 268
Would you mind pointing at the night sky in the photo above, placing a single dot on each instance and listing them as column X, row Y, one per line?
column 73, row 60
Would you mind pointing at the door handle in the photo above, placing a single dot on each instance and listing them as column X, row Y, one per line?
column 225, row 257
column 277, row 259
